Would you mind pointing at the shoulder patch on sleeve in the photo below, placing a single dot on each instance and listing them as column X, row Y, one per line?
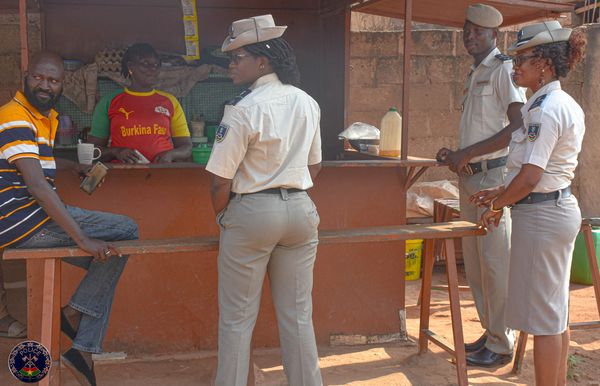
column 533, row 131
column 538, row 102
column 221, row 132
column 238, row 98
column 503, row 58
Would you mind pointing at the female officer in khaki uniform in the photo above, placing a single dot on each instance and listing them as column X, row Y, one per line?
column 545, row 215
column 267, row 153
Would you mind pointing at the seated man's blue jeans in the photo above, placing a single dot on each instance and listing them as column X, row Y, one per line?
column 94, row 296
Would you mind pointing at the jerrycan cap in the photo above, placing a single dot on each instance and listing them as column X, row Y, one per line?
column 393, row 109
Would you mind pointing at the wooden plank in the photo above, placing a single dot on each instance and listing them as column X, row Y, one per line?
column 130, row 247
column 50, row 301
column 402, row 232
column 439, row 341
column 457, row 330
column 587, row 8
column 520, row 354
column 425, row 297
column 593, row 261
column 209, row 244
column 584, row 325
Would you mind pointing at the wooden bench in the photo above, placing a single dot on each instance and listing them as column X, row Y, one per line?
column 586, row 229
column 51, row 257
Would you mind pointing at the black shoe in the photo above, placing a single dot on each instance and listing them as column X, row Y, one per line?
column 66, row 327
column 488, row 358
column 477, row 345
column 80, row 369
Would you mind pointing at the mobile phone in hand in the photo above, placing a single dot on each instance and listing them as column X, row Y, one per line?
column 94, row 177
column 142, row 159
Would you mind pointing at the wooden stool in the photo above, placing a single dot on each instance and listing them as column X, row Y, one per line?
column 425, row 334
column 444, row 210
column 586, row 229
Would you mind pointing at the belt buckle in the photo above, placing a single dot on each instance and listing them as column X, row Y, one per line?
column 484, row 166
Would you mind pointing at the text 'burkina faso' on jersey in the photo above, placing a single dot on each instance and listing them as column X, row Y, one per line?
column 24, row 133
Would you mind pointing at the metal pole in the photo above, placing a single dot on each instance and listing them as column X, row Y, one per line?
column 406, row 77
column 23, row 36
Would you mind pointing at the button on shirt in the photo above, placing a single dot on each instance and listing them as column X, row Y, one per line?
column 268, row 139
column 489, row 91
column 551, row 138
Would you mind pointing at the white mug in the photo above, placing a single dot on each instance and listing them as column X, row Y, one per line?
column 86, row 153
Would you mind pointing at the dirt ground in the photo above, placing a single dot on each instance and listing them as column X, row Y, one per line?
column 384, row 365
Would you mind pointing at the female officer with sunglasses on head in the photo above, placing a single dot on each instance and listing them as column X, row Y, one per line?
column 266, row 155
column 545, row 215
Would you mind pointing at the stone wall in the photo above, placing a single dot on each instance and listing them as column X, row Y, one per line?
column 439, row 67
column 10, row 50
column 584, row 85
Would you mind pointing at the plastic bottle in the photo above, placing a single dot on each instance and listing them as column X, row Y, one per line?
column 391, row 134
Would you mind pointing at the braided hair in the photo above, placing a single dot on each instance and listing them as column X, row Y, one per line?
column 135, row 52
column 281, row 57
column 564, row 55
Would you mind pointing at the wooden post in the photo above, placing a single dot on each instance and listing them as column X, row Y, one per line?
column 23, row 36
column 425, row 298
column 50, row 319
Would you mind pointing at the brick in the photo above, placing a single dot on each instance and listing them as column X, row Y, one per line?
column 10, row 76
column 442, row 69
column 419, row 126
column 434, row 42
column 362, row 72
column 418, row 72
column 432, row 98
column 375, row 98
column 378, row 44
column 445, row 124
column 428, row 146
column 10, row 39
column 370, row 117
column 575, row 90
column 6, row 95
column 389, row 71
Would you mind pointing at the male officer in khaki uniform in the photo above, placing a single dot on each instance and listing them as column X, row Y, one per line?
column 491, row 111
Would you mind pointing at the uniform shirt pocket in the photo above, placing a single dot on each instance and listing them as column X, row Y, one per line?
column 484, row 90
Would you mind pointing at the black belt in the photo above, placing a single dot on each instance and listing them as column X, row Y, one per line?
column 271, row 191
column 534, row 198
column 477, row 167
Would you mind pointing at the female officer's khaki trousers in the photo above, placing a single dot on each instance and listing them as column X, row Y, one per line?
column 275, row 234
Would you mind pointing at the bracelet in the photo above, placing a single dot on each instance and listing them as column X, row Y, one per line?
column 491, row 207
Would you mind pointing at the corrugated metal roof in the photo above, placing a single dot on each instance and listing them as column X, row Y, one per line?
column 452, row 12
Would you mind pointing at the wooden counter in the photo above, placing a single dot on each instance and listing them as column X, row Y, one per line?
column 169, row 303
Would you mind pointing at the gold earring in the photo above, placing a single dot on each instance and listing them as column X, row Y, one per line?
column 542, row 81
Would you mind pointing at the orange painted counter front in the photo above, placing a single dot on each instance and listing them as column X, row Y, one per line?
column 168, row 303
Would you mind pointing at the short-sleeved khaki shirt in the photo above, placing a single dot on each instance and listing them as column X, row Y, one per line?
column 489, row 92
column 551, row 138
column 268, row 138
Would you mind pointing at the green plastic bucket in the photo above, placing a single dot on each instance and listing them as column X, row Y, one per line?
column 201, row 154
column 580, row 270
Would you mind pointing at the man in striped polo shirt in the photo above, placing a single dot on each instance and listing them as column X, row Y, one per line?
column 32, row 214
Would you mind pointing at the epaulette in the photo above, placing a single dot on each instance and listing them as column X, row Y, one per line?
column 238, row 98
column 538, row 102
column 503, row 58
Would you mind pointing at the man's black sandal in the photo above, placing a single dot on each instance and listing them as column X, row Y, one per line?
column 66, row 327
column 80, row 369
